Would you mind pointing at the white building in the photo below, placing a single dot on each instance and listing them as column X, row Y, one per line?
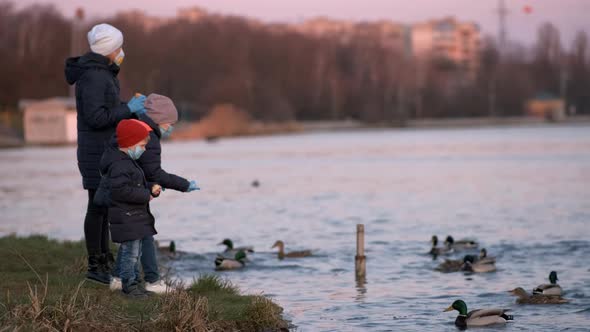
column 49, row 121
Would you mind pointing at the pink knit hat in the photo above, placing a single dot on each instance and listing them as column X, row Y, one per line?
column 161, row 109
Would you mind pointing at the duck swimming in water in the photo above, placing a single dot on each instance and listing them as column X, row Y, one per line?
column 229, row 247
column 549, row 289
column 526, row 298
column 293, row 254
column 451, row 265
column 461, row 244
column 483, row 265
column 484, row 258
column 436, row 251
column 223, row 263
column 478, row 317
column 456, row 265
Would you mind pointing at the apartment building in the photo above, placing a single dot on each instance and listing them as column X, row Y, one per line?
column 449, row 39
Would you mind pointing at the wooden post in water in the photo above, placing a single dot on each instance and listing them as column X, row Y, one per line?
column 360, row 259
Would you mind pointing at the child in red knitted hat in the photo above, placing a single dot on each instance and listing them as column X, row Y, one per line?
column 130, row 217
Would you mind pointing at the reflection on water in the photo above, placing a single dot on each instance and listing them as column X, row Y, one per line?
column 521, row 192
column 361, row 289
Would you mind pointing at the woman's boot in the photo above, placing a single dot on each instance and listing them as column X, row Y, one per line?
column 96, row 271
column 108, row 263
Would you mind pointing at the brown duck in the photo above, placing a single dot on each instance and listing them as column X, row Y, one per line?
column 526, row 298
column 293, row 254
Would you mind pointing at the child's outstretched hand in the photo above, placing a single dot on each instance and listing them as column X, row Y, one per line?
column 193, row 186
column 156, row 190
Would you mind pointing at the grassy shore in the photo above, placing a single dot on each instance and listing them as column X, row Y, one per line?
column 42, row 288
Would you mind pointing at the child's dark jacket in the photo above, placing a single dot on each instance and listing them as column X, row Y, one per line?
column 129, row 215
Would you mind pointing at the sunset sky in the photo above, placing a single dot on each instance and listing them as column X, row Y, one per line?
column 569, row 15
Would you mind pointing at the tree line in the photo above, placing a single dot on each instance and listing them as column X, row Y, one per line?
column 277, row 74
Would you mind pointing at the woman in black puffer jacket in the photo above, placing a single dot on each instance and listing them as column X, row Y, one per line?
column 99, row 110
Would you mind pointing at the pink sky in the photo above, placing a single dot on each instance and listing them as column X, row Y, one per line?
column 569, row 15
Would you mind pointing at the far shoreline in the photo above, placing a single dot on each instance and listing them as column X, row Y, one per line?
column 259, row 129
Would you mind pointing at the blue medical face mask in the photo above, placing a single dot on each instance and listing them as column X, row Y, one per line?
column 166, row 132
column 135, row 153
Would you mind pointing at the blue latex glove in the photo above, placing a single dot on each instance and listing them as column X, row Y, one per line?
column 193, row 186
column 136, row 105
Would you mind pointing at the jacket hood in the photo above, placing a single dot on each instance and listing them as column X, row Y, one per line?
column 111, row 155
column 77, row 66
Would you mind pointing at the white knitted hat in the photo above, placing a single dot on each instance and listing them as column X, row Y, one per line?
column 104, row 39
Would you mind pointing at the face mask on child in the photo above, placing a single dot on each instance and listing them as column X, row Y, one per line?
column 135, row 153
column 119, row 58
column 166, row 132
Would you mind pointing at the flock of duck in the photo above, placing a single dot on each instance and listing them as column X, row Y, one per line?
column 234, row 258
column 550, row 293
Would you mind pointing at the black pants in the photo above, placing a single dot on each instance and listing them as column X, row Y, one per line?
column 96, row 227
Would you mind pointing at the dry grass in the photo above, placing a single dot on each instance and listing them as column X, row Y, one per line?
column 57, row 298
column 78, row 266
column 263, row 314
column 180, row 310
column 73, row 311
column 225, row 120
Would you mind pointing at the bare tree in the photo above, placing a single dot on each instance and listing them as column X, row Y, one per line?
column 275, row 73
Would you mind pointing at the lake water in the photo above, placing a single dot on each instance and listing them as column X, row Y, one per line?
column 524, row 193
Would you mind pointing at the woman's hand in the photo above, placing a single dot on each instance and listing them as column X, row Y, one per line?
column 136, row 104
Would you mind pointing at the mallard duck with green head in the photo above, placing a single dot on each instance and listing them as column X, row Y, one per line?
column 229, row 247
column 293, row 254
column 549, row 289
column 437, row 251
column 461, row 244
column 482, row 264
column 483, row 256
column 456, row 265
column 526, row 298
column 238, row 262
column 478, row 317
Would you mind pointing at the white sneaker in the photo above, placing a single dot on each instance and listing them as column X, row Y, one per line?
column 116, row 284
column 158, row 287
